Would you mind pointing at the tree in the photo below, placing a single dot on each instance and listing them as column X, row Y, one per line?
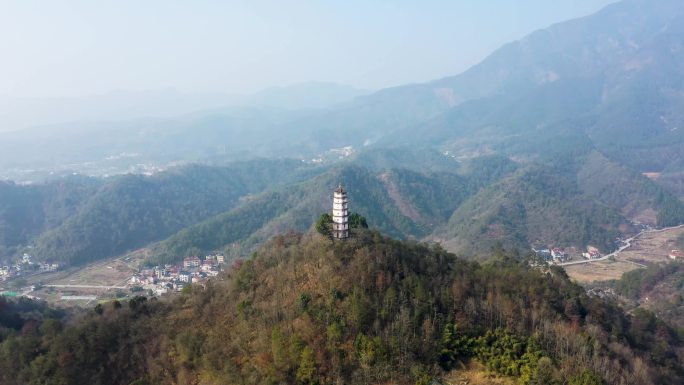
column 324, row 224
column 307, row 367
column 278, row 350
column 357, row 221
column 325, row 221
column 586, row 378
column 544, row 373
column 455, row 347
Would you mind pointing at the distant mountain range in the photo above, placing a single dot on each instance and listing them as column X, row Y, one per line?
column 122, row 105
column 612, row 81
column 132, row 132
column 548, row 140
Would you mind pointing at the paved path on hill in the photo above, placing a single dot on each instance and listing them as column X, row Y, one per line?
column 628, row 243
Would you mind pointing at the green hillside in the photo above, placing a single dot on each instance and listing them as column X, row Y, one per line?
column 28, row 211
column 409, row 158
column 579, row 197
column 485, row 202
column 636, row 196
column 535, row 205
column 370, row 310
column 656, row 289
column 399, row 202
column 131, row 211
column 576, row 199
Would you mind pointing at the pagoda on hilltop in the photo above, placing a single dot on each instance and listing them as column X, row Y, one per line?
column 340, row 214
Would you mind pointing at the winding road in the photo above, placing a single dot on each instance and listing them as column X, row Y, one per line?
column 628, row 244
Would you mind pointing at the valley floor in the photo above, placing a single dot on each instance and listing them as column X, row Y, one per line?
column 83, row 285
column 648, row 248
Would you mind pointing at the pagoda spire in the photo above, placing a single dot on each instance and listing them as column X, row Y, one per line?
column 340, row 213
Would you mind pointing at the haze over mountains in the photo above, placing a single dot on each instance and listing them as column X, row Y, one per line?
column 21, row 113
column 566, row 120
column 612, row 80
column 571, row 138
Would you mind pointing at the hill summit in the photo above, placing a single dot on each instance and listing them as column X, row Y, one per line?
column 372, row 309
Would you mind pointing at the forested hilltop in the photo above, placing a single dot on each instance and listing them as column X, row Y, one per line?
column 370, row 310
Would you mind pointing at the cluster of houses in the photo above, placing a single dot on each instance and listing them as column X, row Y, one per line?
column 592, row 253
column 26, row 266
column 675, row 254
column 554, row 254
column 560, row 255
column 333, row 154
column 167, row 278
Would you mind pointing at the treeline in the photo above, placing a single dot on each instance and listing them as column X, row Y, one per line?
column 671, row 212
column 305, row 310
column 19, row 315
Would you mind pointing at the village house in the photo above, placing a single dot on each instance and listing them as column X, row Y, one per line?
column 48, row 267
column 592, row 253
column 184, row 276
column 160, row 272
column 193, row 261
column 542, row 253
column 174, row 270
column 675, row 254
column 558, row 254
column 207, row 264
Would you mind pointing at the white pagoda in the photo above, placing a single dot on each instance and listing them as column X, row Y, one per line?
column 340, row 214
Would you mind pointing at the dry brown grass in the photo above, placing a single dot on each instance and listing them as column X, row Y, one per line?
column 108, row 273
column 599, row 271
column 476, row 374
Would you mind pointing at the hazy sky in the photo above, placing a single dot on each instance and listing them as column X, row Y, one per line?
column 51, row 47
